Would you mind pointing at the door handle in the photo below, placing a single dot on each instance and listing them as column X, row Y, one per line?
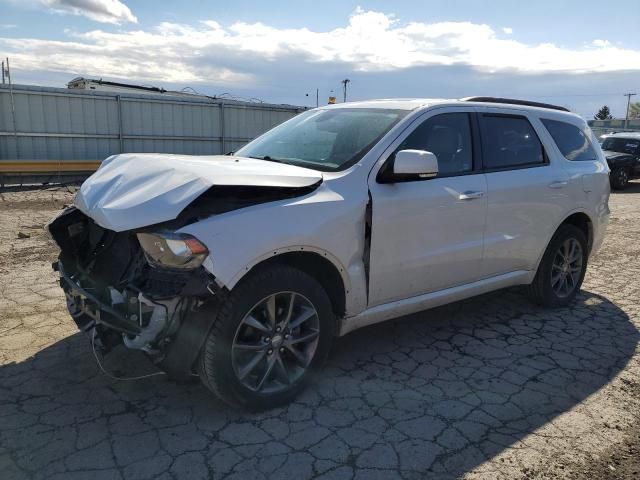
column 558, row 184
column 469, row 195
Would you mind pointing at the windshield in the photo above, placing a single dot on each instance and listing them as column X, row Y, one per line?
column 326, row 140
column 622, row 145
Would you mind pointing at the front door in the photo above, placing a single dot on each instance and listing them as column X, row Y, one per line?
column 427, row 234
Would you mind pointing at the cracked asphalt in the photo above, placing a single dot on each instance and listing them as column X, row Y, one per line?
column 489, row 388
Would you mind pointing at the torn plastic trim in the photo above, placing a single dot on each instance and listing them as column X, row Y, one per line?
column 118, row 321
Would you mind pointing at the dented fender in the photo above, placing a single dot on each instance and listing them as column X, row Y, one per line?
column 324, row 222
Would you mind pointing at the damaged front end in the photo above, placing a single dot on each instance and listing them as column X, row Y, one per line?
column 143, row 289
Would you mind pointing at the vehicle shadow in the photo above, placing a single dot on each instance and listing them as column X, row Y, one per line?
column 632, row 187
column 436, row 393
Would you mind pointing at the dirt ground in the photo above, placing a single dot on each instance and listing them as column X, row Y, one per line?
column 489, row 388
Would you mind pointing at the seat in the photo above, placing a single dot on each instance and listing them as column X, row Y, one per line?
column 443, row 141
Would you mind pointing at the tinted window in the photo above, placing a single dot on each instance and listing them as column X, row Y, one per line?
column 622, row 145
column 449, row 137
column 509, row 141
column 571, row 141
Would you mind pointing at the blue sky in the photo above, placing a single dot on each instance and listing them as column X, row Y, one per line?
column 581, row 54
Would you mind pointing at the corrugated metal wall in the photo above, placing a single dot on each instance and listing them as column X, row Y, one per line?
column 601, row 127
column 54, row 124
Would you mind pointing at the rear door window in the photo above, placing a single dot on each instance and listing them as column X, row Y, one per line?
column 571, row 141
column 509, row 141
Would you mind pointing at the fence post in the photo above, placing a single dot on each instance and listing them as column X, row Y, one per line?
column 119, row 106
column 223, row 149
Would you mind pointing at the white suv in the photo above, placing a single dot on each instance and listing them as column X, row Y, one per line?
column 243, row 268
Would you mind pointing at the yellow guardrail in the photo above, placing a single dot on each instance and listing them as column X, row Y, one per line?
column 48, row 166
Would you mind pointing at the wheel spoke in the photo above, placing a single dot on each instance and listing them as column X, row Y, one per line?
column 555, row 279
column 303, row 316
column 249, row 367
column 299, row 357
column 271, row 311
column 304, row 338
column 577, row 253
column 572, row 249
column 292, row 301
column 282, row 369
column 254, row 346
column 271, row 361
column 257, row 324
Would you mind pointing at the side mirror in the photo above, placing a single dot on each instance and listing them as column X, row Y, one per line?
column 416, row 162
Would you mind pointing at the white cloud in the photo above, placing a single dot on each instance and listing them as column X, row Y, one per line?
column 601, row 43
column 369, row 42
column 7, row 26
column 103, row 11
column 507, row 30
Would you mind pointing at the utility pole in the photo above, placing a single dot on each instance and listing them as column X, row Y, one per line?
column 13, row 108
column 344, row 87
column 626, row 117
column 317, row 97
column 3, row 72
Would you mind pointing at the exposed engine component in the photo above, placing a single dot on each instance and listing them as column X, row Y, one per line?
column 157, row 323
column 115, row 295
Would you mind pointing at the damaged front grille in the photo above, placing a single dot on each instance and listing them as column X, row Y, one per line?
column 103, row 273
column 116, row 297
column 104, row 257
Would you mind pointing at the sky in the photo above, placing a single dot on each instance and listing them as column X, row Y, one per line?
column 579, row 54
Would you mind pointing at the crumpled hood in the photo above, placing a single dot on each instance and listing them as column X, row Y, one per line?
column 139, row 189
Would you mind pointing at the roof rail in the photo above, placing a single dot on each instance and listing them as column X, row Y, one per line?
column 512, row 101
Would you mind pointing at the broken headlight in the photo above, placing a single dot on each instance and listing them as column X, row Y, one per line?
column 173, row 250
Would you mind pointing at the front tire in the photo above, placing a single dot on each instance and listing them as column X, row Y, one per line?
column 620, row 178
column 562, row 268
column 274, row 329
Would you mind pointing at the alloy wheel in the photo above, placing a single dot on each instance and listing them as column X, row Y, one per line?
column 275, row 343
column 566, row 268
column 623, row 177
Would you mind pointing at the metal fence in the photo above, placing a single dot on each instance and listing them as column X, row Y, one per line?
column 61, row 130
column 601, row 127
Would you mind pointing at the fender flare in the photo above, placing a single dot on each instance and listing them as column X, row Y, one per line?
column 234, row 279
column 557, row 226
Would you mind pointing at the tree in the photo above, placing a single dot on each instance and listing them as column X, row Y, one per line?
column 634, row 111
column 603, row 114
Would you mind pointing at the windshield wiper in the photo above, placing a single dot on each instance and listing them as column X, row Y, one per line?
column 267, row 158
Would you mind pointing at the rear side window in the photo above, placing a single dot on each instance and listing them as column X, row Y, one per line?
column 571, row 141
column 509, row 141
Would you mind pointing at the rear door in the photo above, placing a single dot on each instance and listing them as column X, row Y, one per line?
column 427, row 234
column 528, row 192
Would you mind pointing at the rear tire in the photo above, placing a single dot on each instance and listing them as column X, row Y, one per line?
column 620, row 178
column 244, row 331
column 562, row 268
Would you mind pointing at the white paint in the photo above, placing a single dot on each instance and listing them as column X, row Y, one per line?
column 433, row 241
column 138, row 189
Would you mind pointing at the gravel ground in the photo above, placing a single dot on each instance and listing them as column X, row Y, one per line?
column 489, row 388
